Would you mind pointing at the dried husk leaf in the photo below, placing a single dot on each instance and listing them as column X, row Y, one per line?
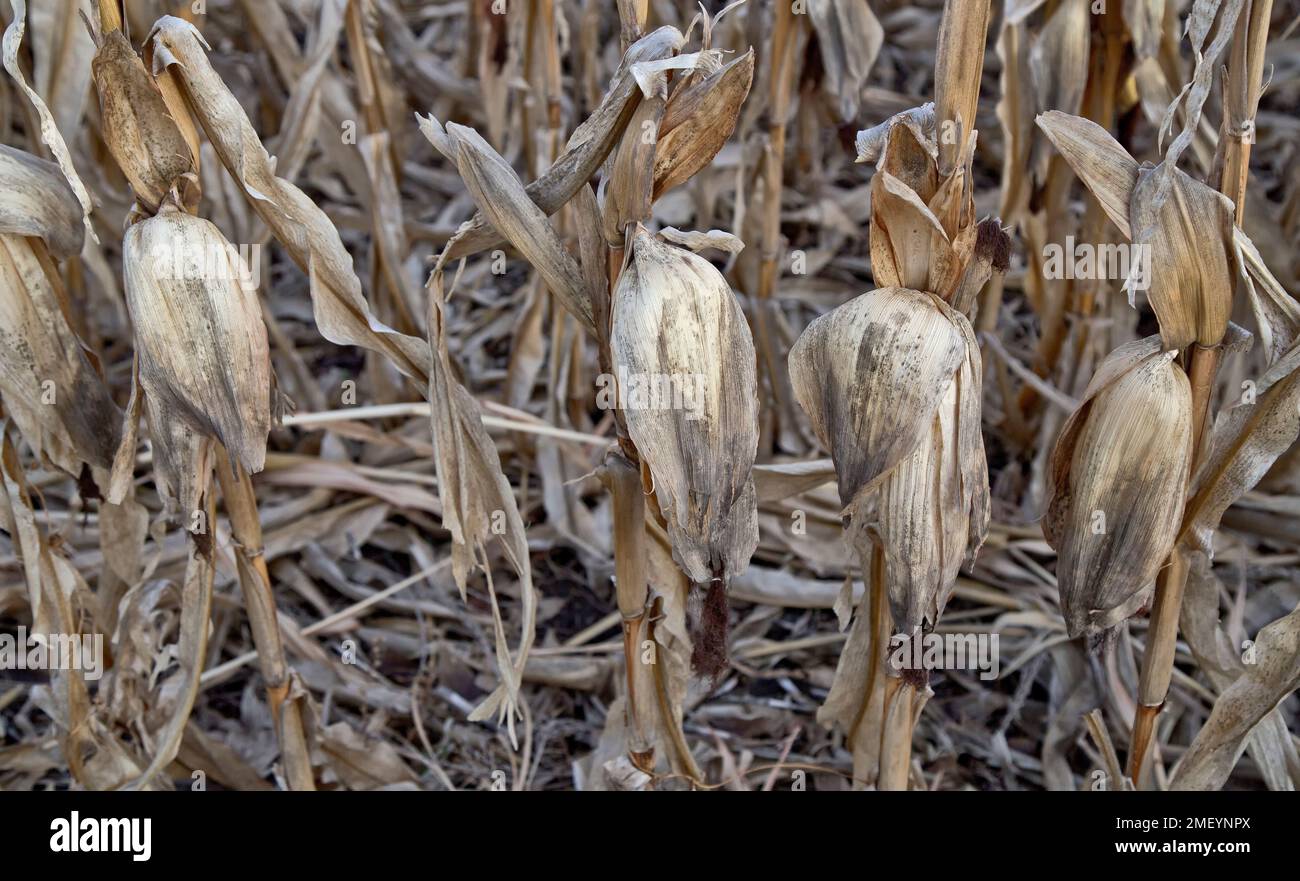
column 1192, row 277
column 650, row 75
column 628, row 189
column 902, row 234
column 1124, row 453
column 588, row 146
column 1277, row 314
column 139, row 131
column 1248, row 438
column 850, row 36
column 712, row 106
column 923, row 233
column 675, row 317
column 38, row 202
column 1270, row 743
column 1190, row 233
column 204, row 359
column 500, row 195
column 49, row 380
column 1098, row 159
column 474, row 492
column 12, row 41
column 1261, row 687
column 870, row 143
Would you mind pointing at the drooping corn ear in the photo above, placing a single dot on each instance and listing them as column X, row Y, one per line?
column 891, row 384
column 871, row 375
column 1118, row 481
column 49, row 380
column 342, row 314
column 204, row 359
column 689, row 391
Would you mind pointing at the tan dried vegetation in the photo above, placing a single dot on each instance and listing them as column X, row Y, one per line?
column 403, row 391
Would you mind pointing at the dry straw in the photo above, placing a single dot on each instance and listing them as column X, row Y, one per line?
column 652, row 373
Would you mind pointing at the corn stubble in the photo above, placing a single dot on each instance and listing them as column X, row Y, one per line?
column 473, row 547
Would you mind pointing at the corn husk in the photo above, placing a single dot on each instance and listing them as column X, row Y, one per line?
column 891, row 384
column 204, row 359
column 629, row 190
column 39, row 203
column 1118, row 481
column 923, row 232
column 675, row 316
